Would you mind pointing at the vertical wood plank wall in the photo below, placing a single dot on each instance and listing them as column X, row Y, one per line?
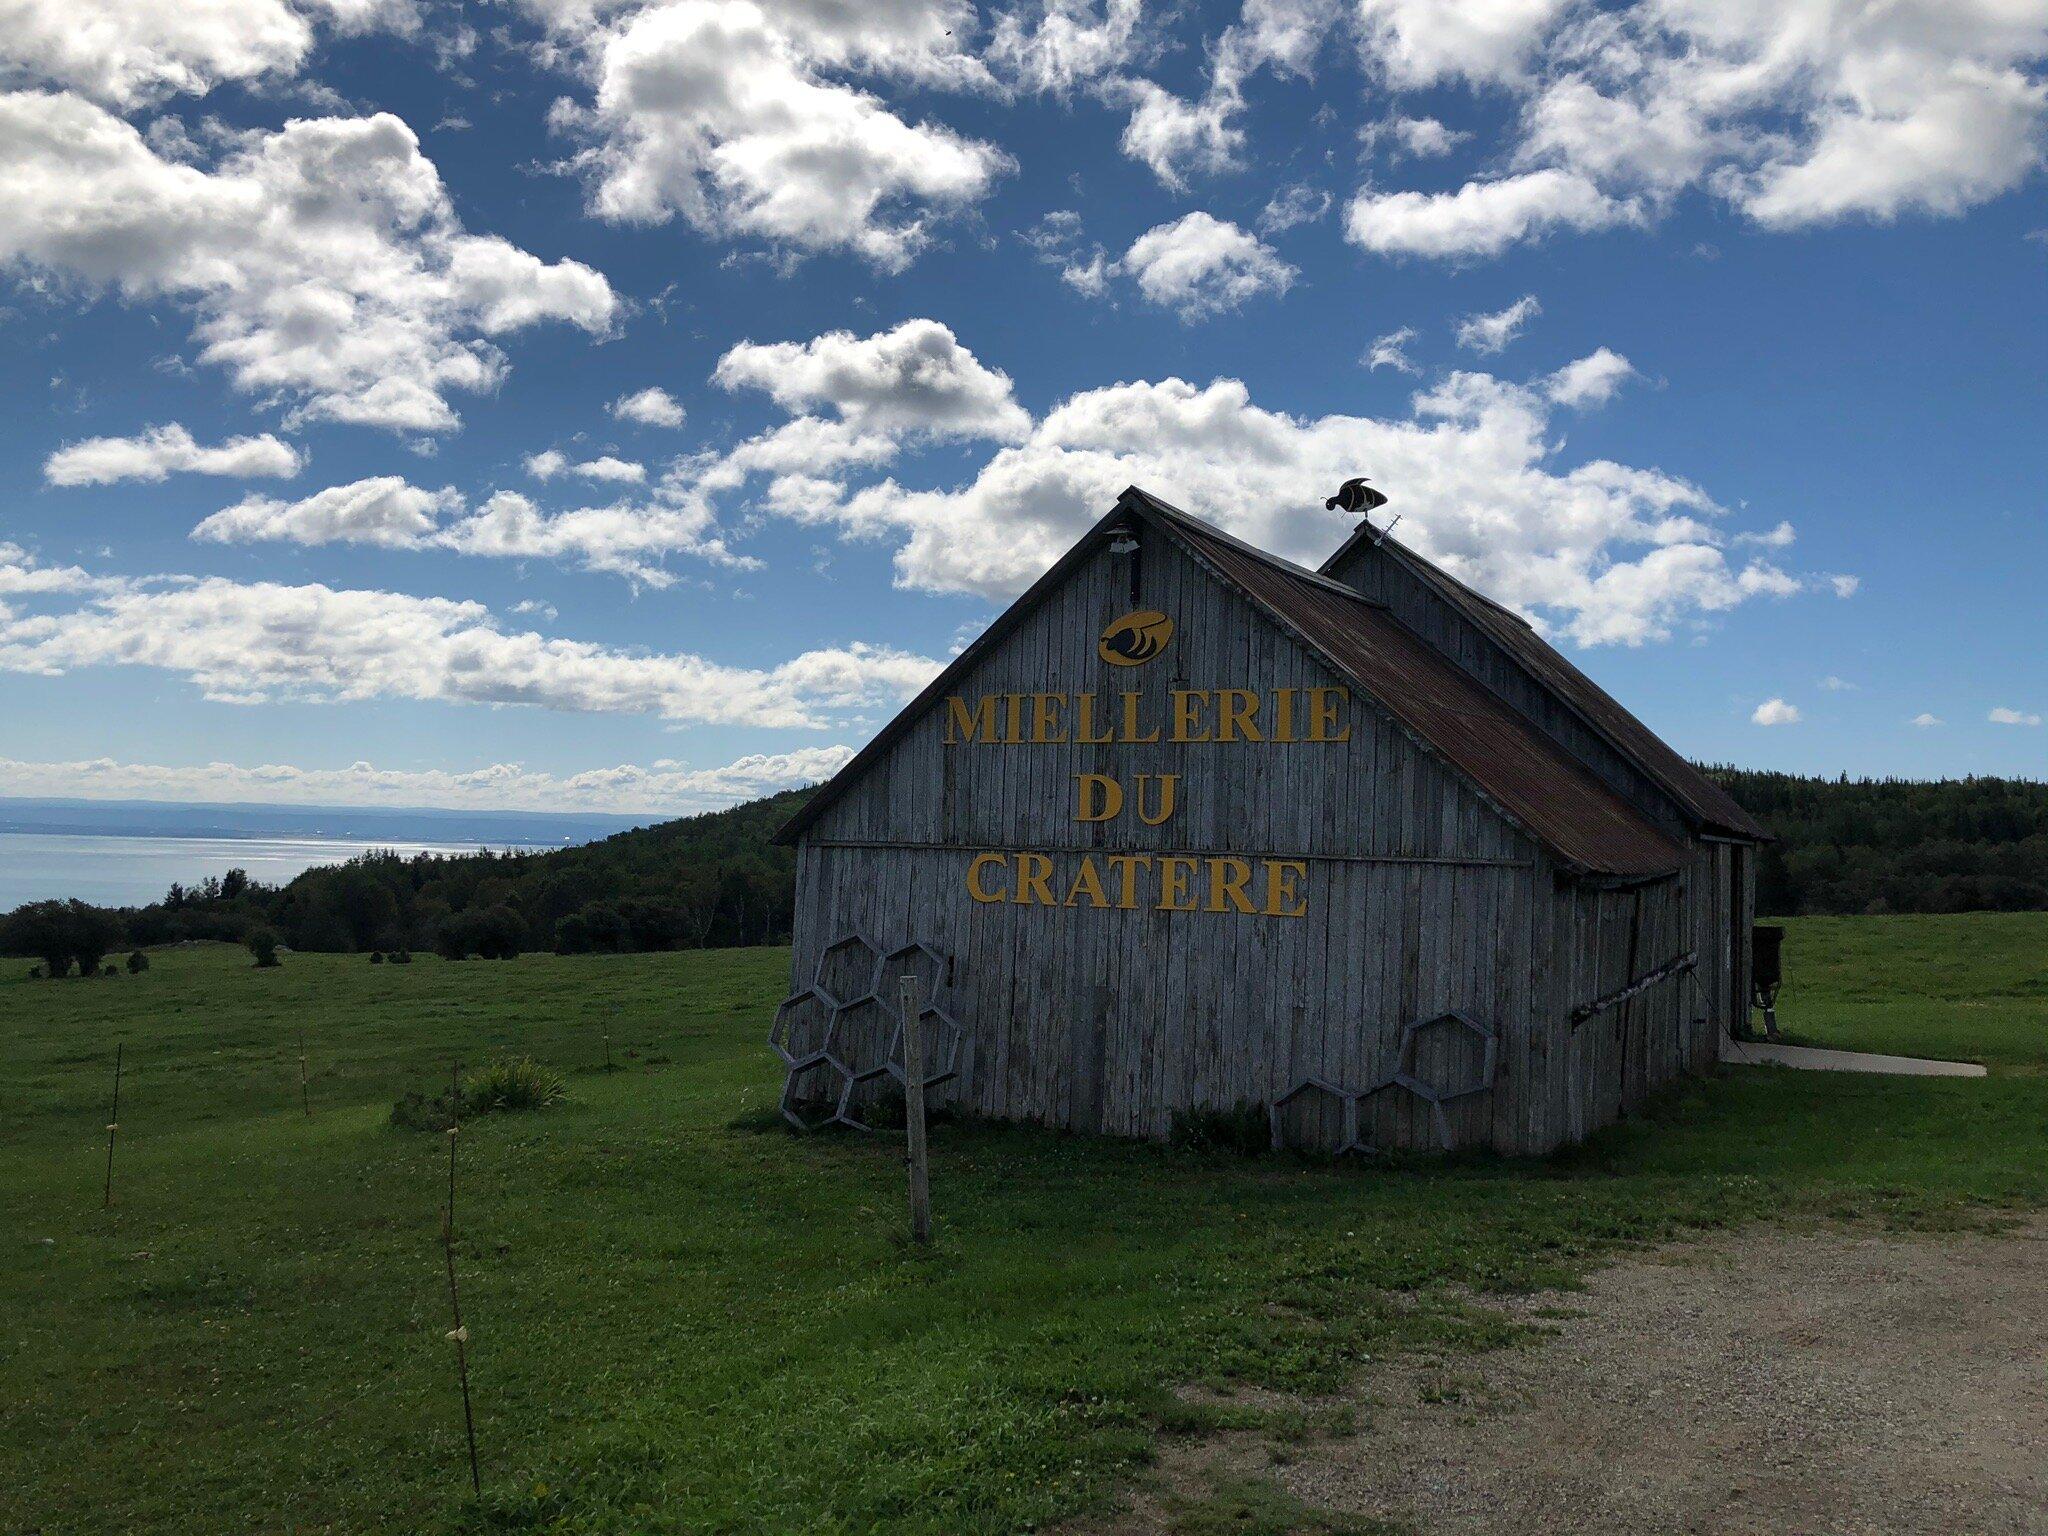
column 1421, row 900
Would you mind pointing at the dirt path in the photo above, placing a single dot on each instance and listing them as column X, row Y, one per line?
column 1761, row 1380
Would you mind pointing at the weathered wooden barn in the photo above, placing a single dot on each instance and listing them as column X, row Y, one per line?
column 1191, row 827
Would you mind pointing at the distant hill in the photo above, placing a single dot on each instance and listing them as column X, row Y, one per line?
column 1845, row 846
column 342, row 823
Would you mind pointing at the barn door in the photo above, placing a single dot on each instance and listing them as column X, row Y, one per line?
column 1741, row 914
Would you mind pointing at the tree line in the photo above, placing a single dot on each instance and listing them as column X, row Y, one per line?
column 715, row 881
column 710, row 881
column 1896, row 845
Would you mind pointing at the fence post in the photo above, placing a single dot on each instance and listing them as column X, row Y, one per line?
column 114, row 1124
column 458, row 1333
column 913, row 1113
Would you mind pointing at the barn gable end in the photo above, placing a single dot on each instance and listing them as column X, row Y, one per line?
column 1500, row 650
column 1358, row 799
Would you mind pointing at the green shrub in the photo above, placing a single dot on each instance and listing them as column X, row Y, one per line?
column 376, row 957
column 496, row 933
column 510, row 1083
column 263, row 944
column 400, row 957
column 1243, row 1129
column 138, row 962
column 505, row 1085
column 59, row 932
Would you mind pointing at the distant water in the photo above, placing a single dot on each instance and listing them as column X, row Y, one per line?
column 118, row 871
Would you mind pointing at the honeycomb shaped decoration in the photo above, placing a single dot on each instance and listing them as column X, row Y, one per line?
column 846, row 970
column 815, row 1094
column 1460, row 1055
column 943, row 1042
column 861, row 1037
column 841, row 1033
column 803, row 1025
column 1442, row 1059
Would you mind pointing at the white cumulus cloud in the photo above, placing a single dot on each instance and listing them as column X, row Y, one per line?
column 1481, row 218
column 916, row 378
column 1391, row 351
column 1591, row 380
column 158, row 452
column 323, row 263
column 650, row 407
column 2004, row 716
column 132, row 53
column 247, row 642
column 550, row 463
column 1490, row 333
column 625, row 538
column 1601, row 552
column 1775, row 712
column 1425, row 42
column 1794, row 114
column 1200, row 265
column 731, row 115
column 384, row 510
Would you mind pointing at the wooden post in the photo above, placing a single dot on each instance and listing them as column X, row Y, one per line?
column 913, row 1113
column 113, row 1125
column 458, row 1333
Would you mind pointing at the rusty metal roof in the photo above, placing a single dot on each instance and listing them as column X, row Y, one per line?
column 1526, row 775
column 1699, row 797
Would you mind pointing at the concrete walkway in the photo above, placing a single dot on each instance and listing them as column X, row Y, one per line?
column 1758, row 1053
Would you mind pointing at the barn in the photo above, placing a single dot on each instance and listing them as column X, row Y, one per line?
column 1192, row 828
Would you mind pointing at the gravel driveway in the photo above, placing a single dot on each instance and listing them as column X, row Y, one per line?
column 1759, row 1380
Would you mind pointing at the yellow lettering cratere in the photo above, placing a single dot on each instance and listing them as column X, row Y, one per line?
column 1161, row 882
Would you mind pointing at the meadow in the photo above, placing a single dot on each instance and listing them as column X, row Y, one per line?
column 685, row 1319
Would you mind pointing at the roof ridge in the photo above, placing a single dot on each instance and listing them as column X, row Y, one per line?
column 1203, row 528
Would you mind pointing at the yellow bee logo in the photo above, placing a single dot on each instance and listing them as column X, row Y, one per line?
column 1135, row 638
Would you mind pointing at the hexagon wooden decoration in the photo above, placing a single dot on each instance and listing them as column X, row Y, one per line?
column 1363, row 1116
column 846, row 969
column 815, row 1094
column 803, row 1023
column 1312, row 1095
column 1474, row 1036
column 942, row 1040
column 861, row 1037
column 918, row 959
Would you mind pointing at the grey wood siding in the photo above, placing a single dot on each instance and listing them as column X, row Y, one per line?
column 1111, row 1020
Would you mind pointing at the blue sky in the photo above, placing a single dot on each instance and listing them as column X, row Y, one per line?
column 1709, row 336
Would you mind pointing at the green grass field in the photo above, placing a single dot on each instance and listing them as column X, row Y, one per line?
column 685, row 1321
